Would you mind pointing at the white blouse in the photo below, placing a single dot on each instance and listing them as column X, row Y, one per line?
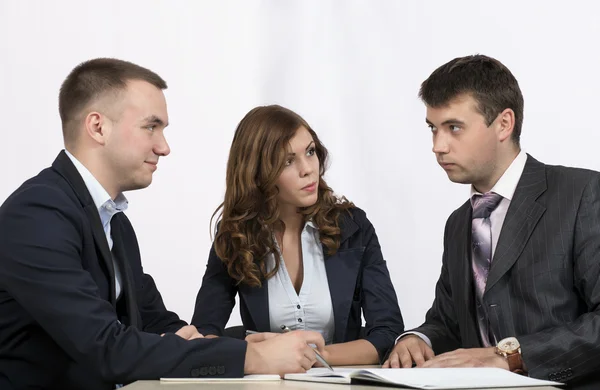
column 312, row 308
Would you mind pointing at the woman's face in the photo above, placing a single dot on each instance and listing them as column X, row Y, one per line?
column 299, row 181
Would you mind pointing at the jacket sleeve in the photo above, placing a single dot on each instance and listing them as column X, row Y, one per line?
column 41, row 268
column 155, row 316
column 216, row 297
column 441, row 324
column 379, row 302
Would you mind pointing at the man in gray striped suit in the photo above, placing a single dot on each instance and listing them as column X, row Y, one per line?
column 520, row 282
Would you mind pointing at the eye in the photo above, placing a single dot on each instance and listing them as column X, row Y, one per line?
column 311, row 151
column 150, row 128
column 454, row 128
column 432, row 128
column 289, row 162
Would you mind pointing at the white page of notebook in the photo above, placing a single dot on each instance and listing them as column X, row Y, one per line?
column 440, row 378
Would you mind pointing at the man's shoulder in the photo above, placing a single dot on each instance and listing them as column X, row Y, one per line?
column 46, row 186
column 571, row 174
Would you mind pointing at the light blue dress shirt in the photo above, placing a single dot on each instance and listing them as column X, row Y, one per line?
column 311, row 309
column 107, row 208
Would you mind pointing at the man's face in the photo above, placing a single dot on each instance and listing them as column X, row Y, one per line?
column 465, row 147
column 136, row 139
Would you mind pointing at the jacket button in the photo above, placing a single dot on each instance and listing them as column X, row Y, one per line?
column 212, row 370
column 204, row 371
column 220, row 370
column 552, row 377
column 195, row 373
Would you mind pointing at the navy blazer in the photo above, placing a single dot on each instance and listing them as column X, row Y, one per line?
column 358, row 280
column 60, row 323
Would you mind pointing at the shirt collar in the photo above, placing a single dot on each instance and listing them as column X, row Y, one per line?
column 507, row 184
column 311, row 224
column 105, row 205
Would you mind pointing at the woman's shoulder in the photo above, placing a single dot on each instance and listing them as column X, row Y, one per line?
column 353, row 217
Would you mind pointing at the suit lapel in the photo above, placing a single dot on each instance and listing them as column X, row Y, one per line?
column 465, row 302
column 63, row 165
column 257, row 302
column 521, row 218
column 342, row 271
column 127, row 283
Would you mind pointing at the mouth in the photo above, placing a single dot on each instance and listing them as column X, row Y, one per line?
column 310, row 188
column 446, row 165
column 153, row 165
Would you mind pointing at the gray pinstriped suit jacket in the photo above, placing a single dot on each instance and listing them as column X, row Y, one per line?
column 544, row 282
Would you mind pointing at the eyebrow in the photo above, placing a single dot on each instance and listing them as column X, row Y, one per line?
column 308, row 147
column 153, row 119
column 450, row 121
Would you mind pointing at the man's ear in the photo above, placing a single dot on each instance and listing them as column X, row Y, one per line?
column 506, row 124
column 97, row 126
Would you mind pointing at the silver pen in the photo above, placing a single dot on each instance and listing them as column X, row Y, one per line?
column 285, row 329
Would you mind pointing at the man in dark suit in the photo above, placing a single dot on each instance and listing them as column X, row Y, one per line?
column 76, row 309
column 519, row 287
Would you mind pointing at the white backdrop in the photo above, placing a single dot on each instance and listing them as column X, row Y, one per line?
column 351, row 68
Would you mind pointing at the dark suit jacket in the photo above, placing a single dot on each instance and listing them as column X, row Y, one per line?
column 358, row 279
column 59, row 323
column 544, row 282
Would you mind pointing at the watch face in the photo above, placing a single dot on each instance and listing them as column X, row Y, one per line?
column 509, row 345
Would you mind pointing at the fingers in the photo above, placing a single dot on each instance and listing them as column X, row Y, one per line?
column 311, row 337
column 417, row 357
column 405, row 357
column 255, row 338
column 395, row 360
column 308, row 360
column 198, row 335
column 258, row 337
column 429, row 353
column 189, row 332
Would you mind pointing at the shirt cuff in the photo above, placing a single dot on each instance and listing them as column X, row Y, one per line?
column 421, row 335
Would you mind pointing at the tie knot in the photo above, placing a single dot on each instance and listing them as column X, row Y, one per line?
column 483, row 205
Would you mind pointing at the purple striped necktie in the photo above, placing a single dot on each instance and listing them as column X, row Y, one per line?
column 481, row 240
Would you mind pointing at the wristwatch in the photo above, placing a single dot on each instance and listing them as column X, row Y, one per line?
column 510, row 349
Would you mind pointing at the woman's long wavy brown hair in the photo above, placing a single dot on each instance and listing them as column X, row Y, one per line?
column 249, row 212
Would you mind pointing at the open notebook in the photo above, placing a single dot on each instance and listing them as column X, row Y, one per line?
column 424, row 378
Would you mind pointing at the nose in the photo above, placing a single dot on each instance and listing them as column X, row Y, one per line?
column 161, row 148
column 441, row 143
column 305, row 167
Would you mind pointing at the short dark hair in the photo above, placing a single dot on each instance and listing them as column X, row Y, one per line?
column 91, row 80
column 486, row 79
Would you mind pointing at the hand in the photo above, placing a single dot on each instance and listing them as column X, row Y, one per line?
column 326, row 355
column 471, row 357
column 188, row 332
column 258, row 337
column 409, row 349
column 283, row 353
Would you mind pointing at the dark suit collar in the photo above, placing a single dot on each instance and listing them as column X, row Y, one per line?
column 64, row 166
column 347, row 226
column 459, row 255
column 522, row 216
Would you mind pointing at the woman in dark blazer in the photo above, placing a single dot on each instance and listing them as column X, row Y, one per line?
column 296, row 254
